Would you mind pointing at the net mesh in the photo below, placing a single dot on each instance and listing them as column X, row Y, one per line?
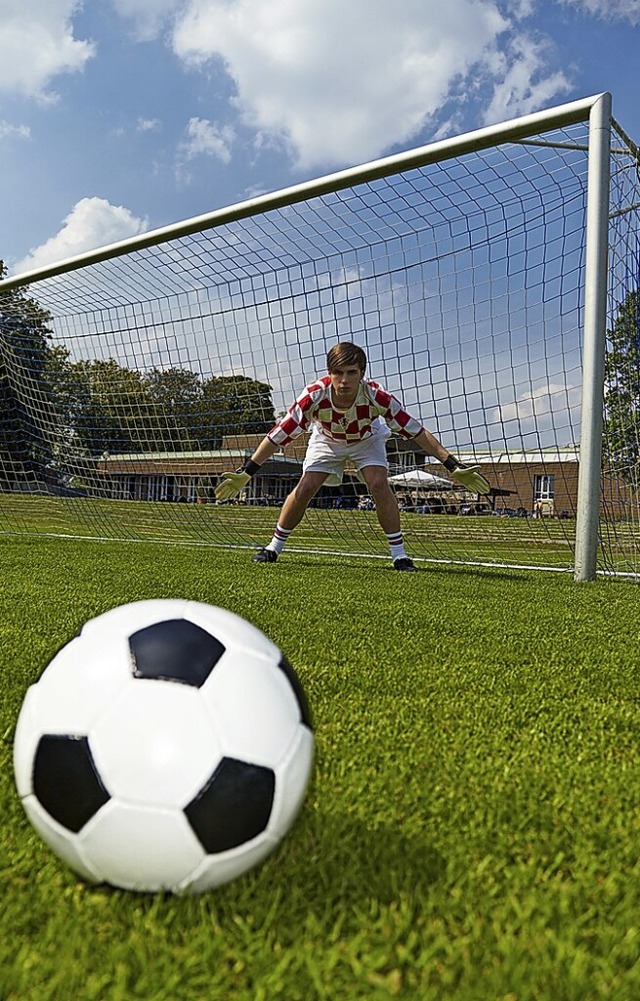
column 128, row 385
column 620, row 520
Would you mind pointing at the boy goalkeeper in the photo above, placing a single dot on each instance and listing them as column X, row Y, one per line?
column 351, row 418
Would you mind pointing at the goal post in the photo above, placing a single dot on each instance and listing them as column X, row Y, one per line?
column 594, row 338
column 489, row 277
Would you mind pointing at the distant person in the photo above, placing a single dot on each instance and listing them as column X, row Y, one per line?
column 351, row 418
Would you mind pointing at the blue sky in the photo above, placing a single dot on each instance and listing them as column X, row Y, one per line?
column 120, row 116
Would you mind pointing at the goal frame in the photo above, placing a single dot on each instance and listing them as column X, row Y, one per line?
column 595, row 110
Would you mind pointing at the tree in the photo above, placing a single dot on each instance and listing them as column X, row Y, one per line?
column 102, row 406
column 110, row 404
column 621, row 439
column 58, row 412
column 237, row 405
column 24, row 413
column 174, row 410
column 186, row 413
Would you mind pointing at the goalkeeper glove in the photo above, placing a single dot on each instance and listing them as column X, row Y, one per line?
column 233, row 483
column 469, row 477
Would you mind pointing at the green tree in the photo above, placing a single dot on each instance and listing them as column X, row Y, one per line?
column 99, row 406
column 174, row 410
column 110, row 401
column 238, row 405
column 102, row 406
column 621, row 439
column 24, row 413
column 56, row 410
column 67, row 395
column 188, row 413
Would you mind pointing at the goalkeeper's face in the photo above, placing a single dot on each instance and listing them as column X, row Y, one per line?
column 344, row 383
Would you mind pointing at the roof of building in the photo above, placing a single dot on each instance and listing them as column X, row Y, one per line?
column 235, row 450
column 569, row 453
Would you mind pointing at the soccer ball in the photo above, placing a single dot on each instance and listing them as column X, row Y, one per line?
column 167, row 746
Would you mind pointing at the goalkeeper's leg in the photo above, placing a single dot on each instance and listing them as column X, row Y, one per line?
column 291, row 514
column 377, row 480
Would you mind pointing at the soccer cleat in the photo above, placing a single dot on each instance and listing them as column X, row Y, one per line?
column 404, row 563
column 265, row 556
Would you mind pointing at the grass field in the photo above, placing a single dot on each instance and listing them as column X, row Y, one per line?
column 515, row 542
column 472, row 829
column 547, row 542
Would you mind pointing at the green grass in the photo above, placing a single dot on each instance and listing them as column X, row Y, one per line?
column 471, row 831
column 516, row 541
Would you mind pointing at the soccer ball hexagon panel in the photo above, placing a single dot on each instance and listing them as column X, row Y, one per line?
column 168, row 746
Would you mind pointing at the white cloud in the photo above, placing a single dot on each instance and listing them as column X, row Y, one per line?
column 550, row 406
column 608, row 10
column 521, row 8
column 339, row 81
column 92, row 223
column 9, row 131
column 204, row 138
column 148, row 125
column 37, row 44
column 523, row 85
column 342, row 82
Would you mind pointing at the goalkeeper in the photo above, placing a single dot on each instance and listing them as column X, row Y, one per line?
column 350, row 417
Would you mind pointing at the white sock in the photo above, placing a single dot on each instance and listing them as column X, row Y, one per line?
column 279, row 539
column 396, row 545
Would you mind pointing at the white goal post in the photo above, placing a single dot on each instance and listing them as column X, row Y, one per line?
column 493, row 280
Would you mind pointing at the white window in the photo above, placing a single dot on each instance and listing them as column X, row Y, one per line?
column 543, row 487
column 157, row 488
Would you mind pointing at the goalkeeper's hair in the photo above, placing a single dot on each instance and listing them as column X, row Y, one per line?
column 344, row 354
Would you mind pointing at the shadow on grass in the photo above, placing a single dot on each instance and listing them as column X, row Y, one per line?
column 325, row 868
column 355, row 565
column 337, row 860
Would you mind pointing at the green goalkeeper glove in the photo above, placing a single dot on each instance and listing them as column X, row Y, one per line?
column 471, row 479
column 231, row 485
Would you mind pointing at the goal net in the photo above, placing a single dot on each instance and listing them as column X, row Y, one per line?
column 131, row 378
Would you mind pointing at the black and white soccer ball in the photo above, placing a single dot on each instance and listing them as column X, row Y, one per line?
column 168, row 746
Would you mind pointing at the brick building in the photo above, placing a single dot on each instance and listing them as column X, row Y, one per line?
column 541, row 482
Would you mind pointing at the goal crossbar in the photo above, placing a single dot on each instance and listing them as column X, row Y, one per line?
column 511, row 131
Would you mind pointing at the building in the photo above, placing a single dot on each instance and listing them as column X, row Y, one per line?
column 192, row 476
column 542, row 482
column 538, row 483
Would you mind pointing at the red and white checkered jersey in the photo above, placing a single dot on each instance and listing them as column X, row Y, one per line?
column 314, row 406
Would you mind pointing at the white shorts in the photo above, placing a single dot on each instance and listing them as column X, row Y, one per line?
column 327, row 456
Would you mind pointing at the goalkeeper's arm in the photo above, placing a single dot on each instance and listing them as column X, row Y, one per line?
column 469, row 477
column 232, row 483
